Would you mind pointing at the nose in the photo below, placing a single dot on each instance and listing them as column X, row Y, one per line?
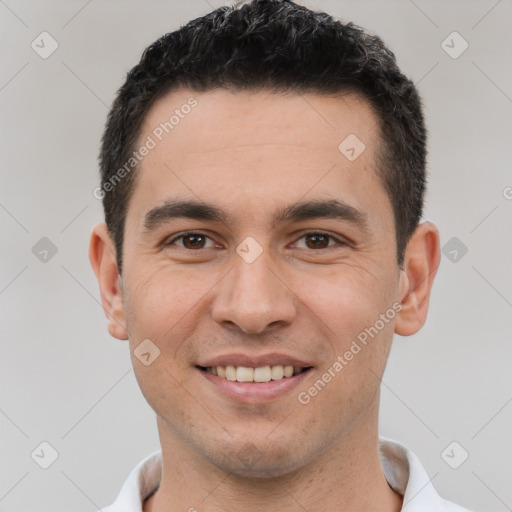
column 253, row 297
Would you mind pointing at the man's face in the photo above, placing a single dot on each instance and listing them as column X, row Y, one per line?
column 270, row 283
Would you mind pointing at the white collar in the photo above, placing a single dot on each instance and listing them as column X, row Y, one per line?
column 402, row 469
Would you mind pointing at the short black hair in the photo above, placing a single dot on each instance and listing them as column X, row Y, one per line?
column 279, row 46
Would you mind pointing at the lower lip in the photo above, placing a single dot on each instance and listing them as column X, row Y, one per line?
column 253, row 392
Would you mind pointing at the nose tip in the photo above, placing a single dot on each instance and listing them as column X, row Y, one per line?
column 254, row 323
column 253, row 299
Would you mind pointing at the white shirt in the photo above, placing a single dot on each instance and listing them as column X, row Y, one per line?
column 402, row 469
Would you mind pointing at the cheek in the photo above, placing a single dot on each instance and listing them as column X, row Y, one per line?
column 161, row 299
column 354, row 309
column 347, row 299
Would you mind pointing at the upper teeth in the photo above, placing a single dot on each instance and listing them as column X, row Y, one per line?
column 260, row 374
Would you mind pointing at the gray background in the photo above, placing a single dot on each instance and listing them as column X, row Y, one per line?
column 64, row 380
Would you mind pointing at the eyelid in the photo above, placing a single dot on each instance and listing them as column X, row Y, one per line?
column 337, row 238
column 173, row 238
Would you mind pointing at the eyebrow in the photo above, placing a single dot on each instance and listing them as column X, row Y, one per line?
column 300, row 211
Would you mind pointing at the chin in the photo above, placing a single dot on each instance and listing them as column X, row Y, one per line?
column 265, row 460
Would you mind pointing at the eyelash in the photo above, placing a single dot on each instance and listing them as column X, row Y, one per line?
column 197, row 233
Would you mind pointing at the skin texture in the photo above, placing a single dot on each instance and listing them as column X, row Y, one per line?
column 251, row 153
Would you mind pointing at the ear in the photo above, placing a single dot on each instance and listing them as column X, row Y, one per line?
column 102, row 255
column 421, row 261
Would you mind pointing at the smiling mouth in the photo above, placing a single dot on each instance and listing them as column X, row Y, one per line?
column 259, row 374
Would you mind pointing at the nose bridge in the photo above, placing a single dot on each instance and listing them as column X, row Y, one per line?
column 251, row 296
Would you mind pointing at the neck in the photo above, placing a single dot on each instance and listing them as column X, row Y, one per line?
column 346, row 476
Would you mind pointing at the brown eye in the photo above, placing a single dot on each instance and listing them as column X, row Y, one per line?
column 317, row 241
column 193, row 241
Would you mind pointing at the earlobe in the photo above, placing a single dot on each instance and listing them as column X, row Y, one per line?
column 421, row 262
column 102, row 256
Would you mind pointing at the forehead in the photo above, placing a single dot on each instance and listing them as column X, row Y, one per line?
column 249, row 148
column 222, row 118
